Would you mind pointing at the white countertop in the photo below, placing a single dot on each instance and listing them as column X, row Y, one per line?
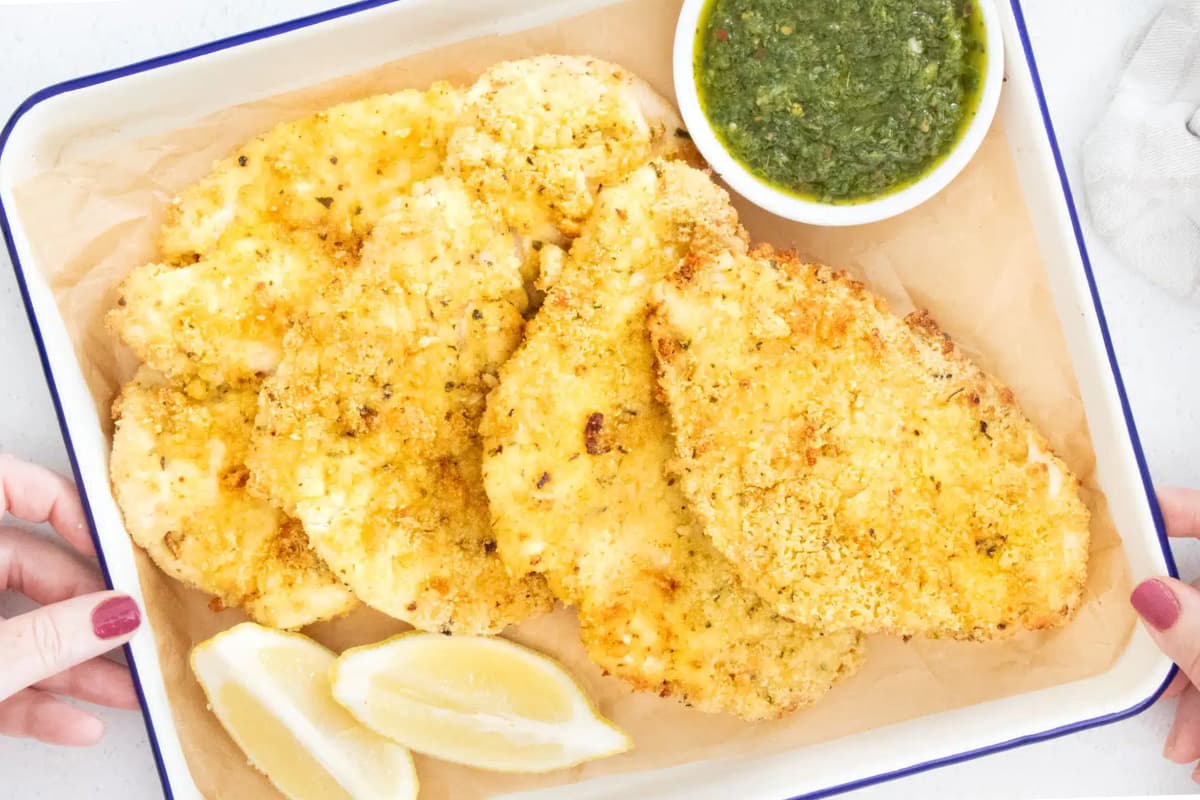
column 1080, row 45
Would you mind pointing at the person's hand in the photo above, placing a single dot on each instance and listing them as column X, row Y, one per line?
column 54, row 650
column 1170, row 610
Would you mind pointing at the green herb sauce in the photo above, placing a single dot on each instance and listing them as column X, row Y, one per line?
column 840, row 100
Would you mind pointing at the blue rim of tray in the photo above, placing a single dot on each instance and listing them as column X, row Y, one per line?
column 364, row 5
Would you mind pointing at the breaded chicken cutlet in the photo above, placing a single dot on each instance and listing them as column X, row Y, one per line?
column 856, row 468
column 575, row 450
column 179, row 476
column 367, row 432
column 246, row 247
column 222, row 319
column 539, row 137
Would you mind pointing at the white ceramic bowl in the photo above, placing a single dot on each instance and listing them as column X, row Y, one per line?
column 779, row 202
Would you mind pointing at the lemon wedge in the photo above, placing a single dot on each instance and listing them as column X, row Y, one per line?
column 270, row 689
column 474, row 700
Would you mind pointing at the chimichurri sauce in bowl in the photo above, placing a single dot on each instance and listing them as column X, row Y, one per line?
column 840, row 101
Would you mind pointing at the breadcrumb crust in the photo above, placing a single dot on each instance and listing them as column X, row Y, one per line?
column 857, row 468
column 575, row 452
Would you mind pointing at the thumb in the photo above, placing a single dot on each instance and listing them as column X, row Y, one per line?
column 1171, row 611
column 56, row 637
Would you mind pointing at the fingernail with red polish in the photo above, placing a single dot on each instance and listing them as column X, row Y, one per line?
column 115, row 617
column 1156, row 603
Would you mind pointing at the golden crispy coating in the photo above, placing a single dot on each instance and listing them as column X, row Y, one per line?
column 333, row 173
column 223, row 318
column 575, row 450
column 540, row 136
column 858, row 470
column 247, row 247
column 179, row 476
column 368, row 430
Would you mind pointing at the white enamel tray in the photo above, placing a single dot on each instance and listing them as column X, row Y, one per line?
column 177, row 89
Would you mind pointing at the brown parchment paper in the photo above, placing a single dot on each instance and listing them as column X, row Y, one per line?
column 969, row 256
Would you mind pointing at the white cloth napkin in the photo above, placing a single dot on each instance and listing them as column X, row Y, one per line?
column 1141, row 165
